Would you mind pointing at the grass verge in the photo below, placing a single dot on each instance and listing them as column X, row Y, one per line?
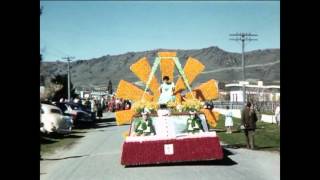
column 267, row 135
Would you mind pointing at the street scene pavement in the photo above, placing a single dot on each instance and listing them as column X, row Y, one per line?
column 97, row 156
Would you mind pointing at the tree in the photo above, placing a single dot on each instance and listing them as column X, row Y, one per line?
column 49, row 90
column 221, row 85
column 110, row 90
column 63, row 92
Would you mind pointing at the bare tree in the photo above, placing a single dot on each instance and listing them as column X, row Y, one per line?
column 257, row 99
column 50, row 90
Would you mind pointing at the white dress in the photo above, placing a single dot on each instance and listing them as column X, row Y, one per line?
column 166, row 93
column 277, row 114
column 228, row 120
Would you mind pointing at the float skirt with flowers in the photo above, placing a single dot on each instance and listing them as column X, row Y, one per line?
column 180, row 135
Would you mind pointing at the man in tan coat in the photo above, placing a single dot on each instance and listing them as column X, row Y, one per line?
column 248, row 123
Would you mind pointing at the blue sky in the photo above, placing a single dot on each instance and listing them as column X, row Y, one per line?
column 94, row 29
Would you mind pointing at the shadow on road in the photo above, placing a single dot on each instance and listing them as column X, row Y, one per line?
column 44, row 140
column 56, row 159
column 65, row 136
column 269, row 148
column 106, row 120
column 78, row 132
column 237, row 146
column 99, row 123
column 73, row 136
column 226, row 161
column 104, row 124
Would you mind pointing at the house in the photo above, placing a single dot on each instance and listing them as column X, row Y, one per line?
column 262, row 92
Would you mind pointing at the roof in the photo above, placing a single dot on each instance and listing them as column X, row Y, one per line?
column 254, row 86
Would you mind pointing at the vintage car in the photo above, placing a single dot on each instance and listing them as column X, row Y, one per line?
column 79, row 112
column 53, row 120
column 170, row 142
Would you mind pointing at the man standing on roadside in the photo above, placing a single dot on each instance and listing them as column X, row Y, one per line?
column 248, row 123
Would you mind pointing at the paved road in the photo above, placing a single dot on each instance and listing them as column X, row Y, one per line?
column 97, row 157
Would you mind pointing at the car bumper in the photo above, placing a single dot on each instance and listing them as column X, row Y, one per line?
column 64, row 130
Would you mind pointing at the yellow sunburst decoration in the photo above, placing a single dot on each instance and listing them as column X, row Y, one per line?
column 167, row 61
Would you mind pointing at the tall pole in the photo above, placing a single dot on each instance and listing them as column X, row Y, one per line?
column 243, row 37
column 69, row 80
column 243, row 73
column 68, row 59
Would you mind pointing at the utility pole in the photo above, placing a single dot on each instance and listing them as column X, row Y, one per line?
column 243, row 37
column 68, row 59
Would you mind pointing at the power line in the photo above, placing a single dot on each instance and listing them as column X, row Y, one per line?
column 243, row 37
column 68, row 58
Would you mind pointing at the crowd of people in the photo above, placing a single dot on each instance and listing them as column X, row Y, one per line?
column 102, row 104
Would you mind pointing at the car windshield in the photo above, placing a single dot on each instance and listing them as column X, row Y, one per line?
column 178, row 123
column 62, row 107
column 55, row 111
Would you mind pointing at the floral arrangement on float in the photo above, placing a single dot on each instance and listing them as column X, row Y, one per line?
column 188, row 105
column 192, row 105
column 174, row 106
column 140, row 106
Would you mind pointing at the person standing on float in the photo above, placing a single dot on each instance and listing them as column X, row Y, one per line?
column 166, row 91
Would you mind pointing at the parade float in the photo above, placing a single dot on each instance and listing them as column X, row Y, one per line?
column 176, row 132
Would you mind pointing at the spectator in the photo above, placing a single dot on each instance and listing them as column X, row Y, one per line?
column 277, row 115
column 75, row 100
column 248, row 123
column 228, row 121
column 117, row 102
column 99, row 110
column 93, row 106
column 111, row 104
column 88, row 104
column 102, row 103
column 209, row 105
column 127, row 105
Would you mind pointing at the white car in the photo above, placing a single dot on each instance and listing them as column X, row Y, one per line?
column 53, row 120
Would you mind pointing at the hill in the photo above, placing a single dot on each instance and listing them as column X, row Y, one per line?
column 220, row 65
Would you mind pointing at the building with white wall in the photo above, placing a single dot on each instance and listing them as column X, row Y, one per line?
column 264, row 93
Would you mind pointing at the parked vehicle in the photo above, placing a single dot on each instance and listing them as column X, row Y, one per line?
column 79, row 112
column 53, row 120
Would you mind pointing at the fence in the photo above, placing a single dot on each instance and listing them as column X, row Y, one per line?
column 267, row 106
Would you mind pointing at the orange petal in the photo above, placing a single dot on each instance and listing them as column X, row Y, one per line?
column 124, row 117
column 167, row 67
column 206, row 91
column 142, row 70
column 212, row 117
column 127, row 90
column 192, row 69
column 167, row 54
column 178, row 98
